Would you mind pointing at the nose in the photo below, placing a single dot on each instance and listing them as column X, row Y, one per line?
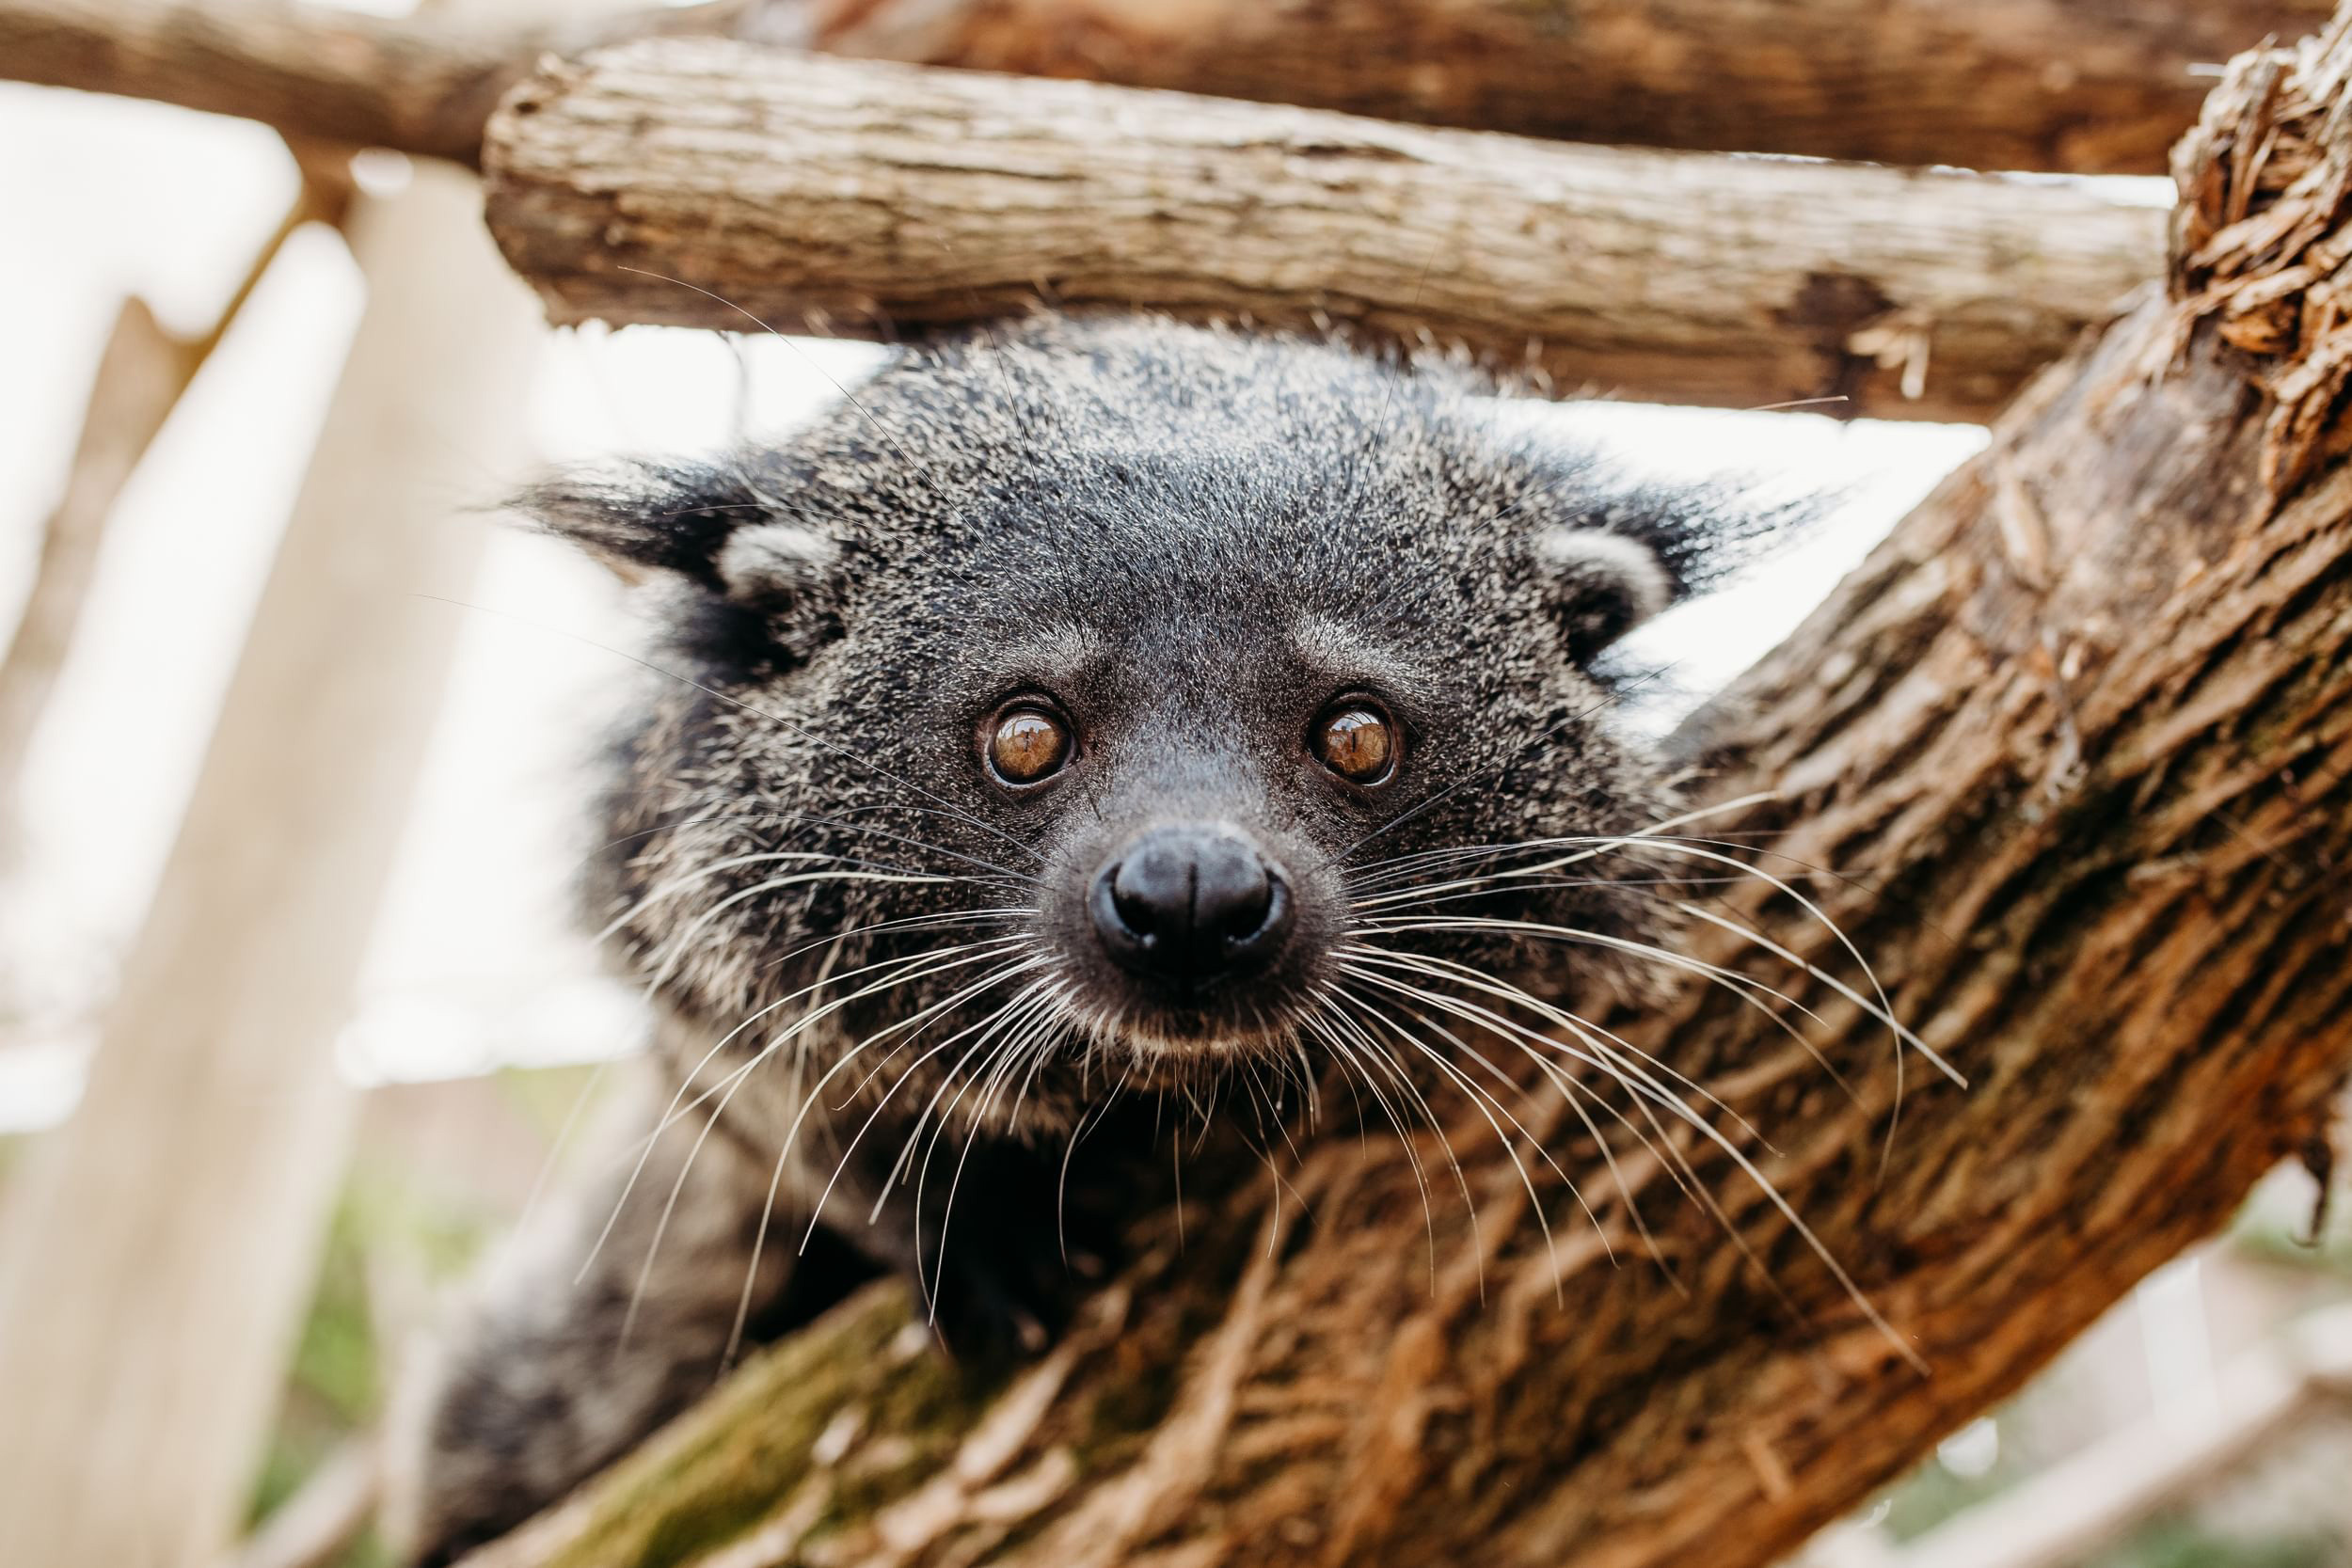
column 1190, row 902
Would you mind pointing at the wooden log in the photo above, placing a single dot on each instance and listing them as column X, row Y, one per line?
column 2016, row 85
column 163, row 1243
column 702, row 182
column 417, row 84
column 2074, row 750
column 2092, row 88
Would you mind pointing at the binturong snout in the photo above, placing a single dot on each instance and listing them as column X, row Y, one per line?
column 1191, row 903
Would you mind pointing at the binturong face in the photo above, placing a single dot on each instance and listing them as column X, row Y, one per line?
column 1105, row 705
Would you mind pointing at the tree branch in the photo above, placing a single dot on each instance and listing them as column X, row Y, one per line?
column 416, row 85
column 2078, row 742
column 853, row 198
column 1988, row 86
column 2096, row 89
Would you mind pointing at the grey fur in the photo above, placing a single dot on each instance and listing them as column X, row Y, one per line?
column 1192, row 539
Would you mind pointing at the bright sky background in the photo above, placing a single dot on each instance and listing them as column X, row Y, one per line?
column 476, row 962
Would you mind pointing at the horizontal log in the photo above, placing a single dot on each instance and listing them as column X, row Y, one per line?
column 314, row 72
column 865, row 198
column 2010, row 84
column 2017, row 84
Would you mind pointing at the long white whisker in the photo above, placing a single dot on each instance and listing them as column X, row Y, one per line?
column 1478, row 980
column 669, row 1113
column 1738, row 984
column 1641, row 1084
column 1323, row 1025
column 1038, row 1042
column 784, row 1151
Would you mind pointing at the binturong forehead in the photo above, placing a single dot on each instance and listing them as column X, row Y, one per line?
column 1206, row 512
column 1246, row 572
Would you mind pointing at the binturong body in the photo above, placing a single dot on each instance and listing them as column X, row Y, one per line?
column 1089, row 729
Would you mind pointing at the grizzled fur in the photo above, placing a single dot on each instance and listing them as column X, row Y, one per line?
column 1191, row 542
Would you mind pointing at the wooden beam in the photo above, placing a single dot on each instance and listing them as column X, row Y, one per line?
column 2010, row 84
column 704, row 183
column 2102, row 89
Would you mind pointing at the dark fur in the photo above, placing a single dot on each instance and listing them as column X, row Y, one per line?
column 1193, row 539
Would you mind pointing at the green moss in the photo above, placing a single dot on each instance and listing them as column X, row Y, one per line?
column 745, row 1452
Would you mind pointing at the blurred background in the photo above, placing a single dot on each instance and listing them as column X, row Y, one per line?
column 480, row 1012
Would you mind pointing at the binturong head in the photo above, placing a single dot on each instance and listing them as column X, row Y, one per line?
column 1103, row 704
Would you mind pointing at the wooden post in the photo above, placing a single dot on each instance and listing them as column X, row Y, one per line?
column 164, row 1242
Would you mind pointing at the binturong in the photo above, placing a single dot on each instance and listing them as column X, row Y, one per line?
column 1091, row 727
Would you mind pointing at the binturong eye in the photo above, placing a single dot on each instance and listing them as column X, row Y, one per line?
column 1356, row 740
column 1027, row 745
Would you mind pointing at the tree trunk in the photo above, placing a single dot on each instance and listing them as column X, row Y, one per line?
column 1983, row 83
column 2076, row 742
column 856, row 199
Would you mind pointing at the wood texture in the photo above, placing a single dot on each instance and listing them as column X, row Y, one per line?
column 2012, row 84
column 2074, row 749
column 1981, row 84
column 420, row 85
column 861, row 198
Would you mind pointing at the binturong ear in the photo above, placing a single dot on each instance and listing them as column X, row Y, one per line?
column 1602, row 585
column 710, row 528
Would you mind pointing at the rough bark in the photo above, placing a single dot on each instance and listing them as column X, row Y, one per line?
column 2019, row 84
column 2078, row 744
column 2012, row 84
column 859, row 199
column 421, row 84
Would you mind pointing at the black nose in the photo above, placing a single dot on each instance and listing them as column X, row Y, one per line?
column 1190, row 903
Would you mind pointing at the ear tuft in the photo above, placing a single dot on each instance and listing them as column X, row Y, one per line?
column 1602, row 585
column 714, row 527
column 790, row 575
column 764, row 563
column 640, row 519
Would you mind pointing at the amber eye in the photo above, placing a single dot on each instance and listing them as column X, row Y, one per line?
column 1027, row 745
column 1356, row 741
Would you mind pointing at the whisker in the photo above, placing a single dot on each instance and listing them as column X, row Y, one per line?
column 1698, row 815
column 1036, row 1045
column 669, row 1114
column 1321, row 1024
column 784, row 1151
column 1480, row 1099
column 1640, row 1084
column 1740, row 985
column 1463, row 973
